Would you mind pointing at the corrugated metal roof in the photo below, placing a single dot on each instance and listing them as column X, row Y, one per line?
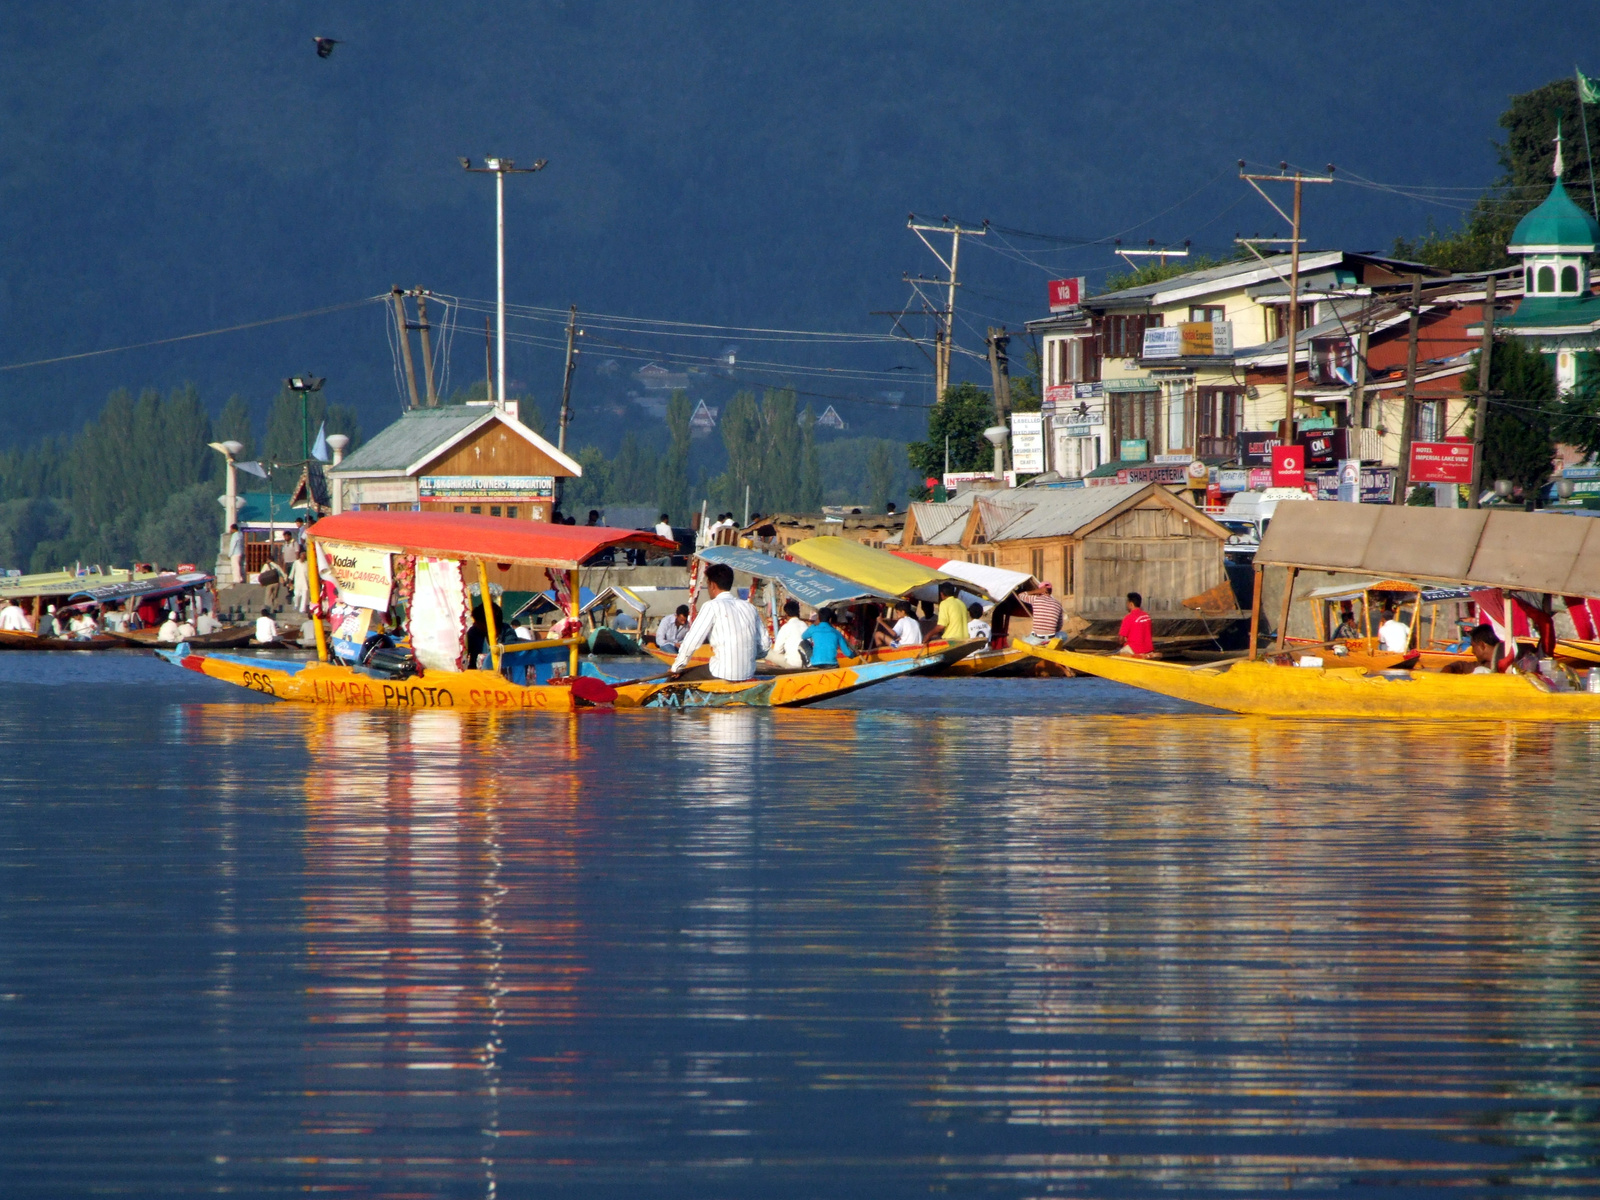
column 416, row 432
column 941, row 522
column 1063, row 513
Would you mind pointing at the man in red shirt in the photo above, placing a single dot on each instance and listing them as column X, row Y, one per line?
column 1137, row 639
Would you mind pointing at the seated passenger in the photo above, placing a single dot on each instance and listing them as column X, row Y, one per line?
column 1485, row 651
column 907, row 631
column 169, row 629
column 1394, row 637
column 976, row 626
column 1347, row 630
column 826, row 642
column 785, row 650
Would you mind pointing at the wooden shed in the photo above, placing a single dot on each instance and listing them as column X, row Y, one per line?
column 1094, row 545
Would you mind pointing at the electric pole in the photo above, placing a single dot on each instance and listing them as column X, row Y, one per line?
column 945, row 330
column 402, row 325
column 500, row 168
column 1000, row 372
column 566, row 378
column 1298, row 178
column 1480, row 422
column 1408, row 410
column 427, row 345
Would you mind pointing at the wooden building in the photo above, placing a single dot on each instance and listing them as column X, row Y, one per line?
column 878, row 530
column 1093, row 545
column 465, row 458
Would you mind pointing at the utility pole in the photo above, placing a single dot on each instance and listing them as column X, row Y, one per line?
column 488, row 364
column 1000, row 372
column 1408, row 410
column 500, row 168
column 945, row 333
column 402, row 325
column 1358, row 394
column 1480, row 422
column 427, row 345
column 566, row 378
column 1298, row 179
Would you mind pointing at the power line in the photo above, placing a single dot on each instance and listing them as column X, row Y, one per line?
column 189, row 337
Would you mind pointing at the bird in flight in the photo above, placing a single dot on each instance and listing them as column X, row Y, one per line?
column 325, row 46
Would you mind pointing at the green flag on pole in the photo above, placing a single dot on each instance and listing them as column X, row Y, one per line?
column 1588, row 89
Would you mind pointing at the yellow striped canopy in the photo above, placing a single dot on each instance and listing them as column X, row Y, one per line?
column 878, row 569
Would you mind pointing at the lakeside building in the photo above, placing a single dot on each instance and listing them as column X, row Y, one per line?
column 465, row 458
column 1092, row 545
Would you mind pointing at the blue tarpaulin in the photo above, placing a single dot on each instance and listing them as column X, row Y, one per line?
column 805, row 583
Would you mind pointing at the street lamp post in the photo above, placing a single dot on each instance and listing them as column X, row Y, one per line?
column 230, row 450
column 305, row 385
column 500, row 168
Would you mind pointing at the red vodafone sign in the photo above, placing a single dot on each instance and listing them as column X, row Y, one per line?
column 1289, row 466
column 1441, row 462
column 1066, row 293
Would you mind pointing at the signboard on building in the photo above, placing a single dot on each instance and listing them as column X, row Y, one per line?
column 1137, row 384
column 1288, row 467
column 1441, row 462
column 1159, row 473
column 1377, row 484
column 1164, row 341
column 1088, row 391
column 1027, row 443
column 1057, row 396
column 1255, row 449
column 487, row 487
column 1349, row 481
column 1205, row 339
column 1230, row 480
column 1133, row 450
column 1066, row 293
column 1260, row 478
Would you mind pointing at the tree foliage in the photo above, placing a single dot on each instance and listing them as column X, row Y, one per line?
column 1524, row 411
column 1579, row 423
column 961, row 417
column 1479, row 242
column 766, row 447
column 284, row 444
column 672, row 476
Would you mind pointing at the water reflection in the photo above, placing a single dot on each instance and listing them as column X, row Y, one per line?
column 742, row 952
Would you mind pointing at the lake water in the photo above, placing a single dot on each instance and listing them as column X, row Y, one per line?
column 1000, row 938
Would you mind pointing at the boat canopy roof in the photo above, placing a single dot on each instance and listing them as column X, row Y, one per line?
column 994, row 582
column 801, row 580
column 493, row 539
column 885, row 573
column 152, row 588
column 1534, row 552
column 1346, row 591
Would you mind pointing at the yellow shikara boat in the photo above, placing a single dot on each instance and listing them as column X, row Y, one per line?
column 1265, row 689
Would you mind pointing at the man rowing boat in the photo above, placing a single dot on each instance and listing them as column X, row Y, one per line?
column 737, row 634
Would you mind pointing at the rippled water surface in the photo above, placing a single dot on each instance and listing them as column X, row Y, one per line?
column 1014, row 938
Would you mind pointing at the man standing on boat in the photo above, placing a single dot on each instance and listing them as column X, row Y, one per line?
column 737, row 634
column 13, row 619
column 1136, row 632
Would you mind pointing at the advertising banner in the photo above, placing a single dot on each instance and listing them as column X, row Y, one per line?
column 1288, row 466
column 1232, row 480
column 1377, row 484
column 1066, row 293
column 1027, row 443
column 1255, row 449
column 1058, row 396
column 1205, row 339
column 1441, row 462
column 1349, row 481
column 1134, row 450
column 1164, row 341
column 362, row 576
column 1164, row 473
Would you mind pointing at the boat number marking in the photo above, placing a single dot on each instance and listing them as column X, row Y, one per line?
column 259, row 681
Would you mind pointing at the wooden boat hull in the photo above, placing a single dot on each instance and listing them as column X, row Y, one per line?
column 1357, row 654
column 17, row 640
column 1000, row 663
column 789, row 690
column 222, row 639
column 606, row 640
column 317, row 682
column 1263, row 689
column 702, row 656
column 1574, row 652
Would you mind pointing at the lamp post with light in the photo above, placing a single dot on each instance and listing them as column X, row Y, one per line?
column 305, row 385
column 229, row 450
column 500, row 168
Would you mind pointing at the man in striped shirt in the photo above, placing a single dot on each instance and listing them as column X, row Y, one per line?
column 737, row 634
column 1046, row 610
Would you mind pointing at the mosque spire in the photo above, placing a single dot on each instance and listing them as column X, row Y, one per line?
column 1558, row 166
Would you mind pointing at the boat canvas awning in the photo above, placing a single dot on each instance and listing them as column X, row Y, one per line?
column 886, row 573
column 1523, row 551
column 1345, row 591
column 805, row 583
column 994, row 582
column 491, row 539
column 154, row 588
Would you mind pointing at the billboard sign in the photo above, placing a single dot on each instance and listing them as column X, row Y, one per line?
column 1441, row 462
column 1288, row 466
column 1066, row 293
column 1255, row 449
column 1134, row 450
column 1377, row 484
column 1027, row 443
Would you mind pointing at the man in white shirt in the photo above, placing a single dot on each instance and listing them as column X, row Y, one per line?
column 670, row 630
column 785, row 650
column 664, row 528
column 13, row 619
column 1393, row 637
column 737, row 634
column 169, row 629
column 206, row 623
column 266, row 628
column 236, row 553
column 907, row 632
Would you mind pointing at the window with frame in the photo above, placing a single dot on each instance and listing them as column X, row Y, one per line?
column 1569, row 279
column 1069, row 582
column 1036, row 566
column 1547, row 279
column 1135, row 416
column 1430, row 421
column 1122, row 334
column 1219, row 412
column 1210, row 314
column 1278, row 320
column 1077, row 360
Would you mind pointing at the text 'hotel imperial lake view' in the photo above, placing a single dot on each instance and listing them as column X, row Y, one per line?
column 1077, row 701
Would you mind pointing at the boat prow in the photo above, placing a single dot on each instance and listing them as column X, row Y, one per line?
column 1265, row 689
